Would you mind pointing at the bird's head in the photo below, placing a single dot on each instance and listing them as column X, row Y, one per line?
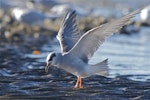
column 49, row 60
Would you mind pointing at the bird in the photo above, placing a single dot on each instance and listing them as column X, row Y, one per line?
column 145, row 14
column 77, row 48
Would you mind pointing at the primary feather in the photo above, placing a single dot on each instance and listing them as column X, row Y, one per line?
column 68, row 34
column 91, row 40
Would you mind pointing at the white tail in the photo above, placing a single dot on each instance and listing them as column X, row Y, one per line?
column 100, row 68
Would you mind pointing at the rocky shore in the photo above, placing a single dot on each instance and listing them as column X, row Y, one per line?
column 14, row 31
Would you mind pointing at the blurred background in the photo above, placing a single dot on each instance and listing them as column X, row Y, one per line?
column 27, row 34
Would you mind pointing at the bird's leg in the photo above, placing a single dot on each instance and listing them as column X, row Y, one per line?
column 77, row 83
column 80, row 83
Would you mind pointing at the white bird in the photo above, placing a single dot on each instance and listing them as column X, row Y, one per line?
column 77, row 49
column 145, row 14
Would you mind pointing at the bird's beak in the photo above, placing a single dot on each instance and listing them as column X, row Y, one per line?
column 47, row 67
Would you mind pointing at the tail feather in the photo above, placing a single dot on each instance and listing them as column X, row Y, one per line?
column 100, row 68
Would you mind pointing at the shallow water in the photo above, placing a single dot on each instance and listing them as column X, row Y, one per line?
column 23, row 75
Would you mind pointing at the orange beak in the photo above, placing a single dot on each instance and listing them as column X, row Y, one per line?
column 47, row 67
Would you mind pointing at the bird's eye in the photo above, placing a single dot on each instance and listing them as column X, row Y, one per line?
column 53, row 55
column 50, row 59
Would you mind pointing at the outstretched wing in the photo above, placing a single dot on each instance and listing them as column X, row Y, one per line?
column 91, row 40
column 68, row 34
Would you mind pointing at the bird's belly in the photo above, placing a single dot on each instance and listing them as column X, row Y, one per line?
column 71, row 70
column 74, row 66
column 76, row 70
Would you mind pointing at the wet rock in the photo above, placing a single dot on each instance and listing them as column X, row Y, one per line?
column 12, row 31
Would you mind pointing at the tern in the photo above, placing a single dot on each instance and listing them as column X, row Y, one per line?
column 77, row 48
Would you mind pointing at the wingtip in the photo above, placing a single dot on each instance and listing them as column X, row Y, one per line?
column 106, row 60
column 139, row 10
column 72, row 12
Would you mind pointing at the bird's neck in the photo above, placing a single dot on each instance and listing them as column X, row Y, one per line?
column 57, row 60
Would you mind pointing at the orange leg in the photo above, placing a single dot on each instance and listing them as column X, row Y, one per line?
column 81, row 86
column 76, row 86
column 78, row 83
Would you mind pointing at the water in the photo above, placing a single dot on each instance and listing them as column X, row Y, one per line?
column 22, row 75
column 128, row 55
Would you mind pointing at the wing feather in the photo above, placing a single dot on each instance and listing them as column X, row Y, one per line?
column 91, row 40
column 68, row 34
